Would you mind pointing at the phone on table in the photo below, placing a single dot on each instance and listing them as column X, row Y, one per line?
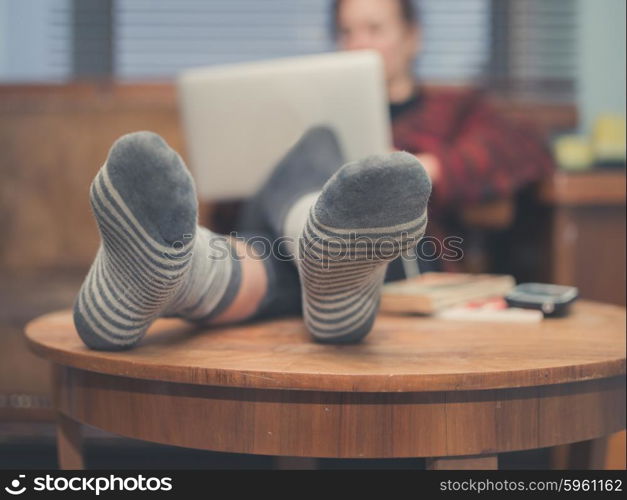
column 552, row 300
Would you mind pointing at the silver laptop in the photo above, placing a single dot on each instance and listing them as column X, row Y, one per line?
column 240, row 119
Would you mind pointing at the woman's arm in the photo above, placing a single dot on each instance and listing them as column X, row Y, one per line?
column 490, row 158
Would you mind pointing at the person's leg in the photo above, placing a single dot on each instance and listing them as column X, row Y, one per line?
column 344, row 228
column 253, row 287
column 318, row 154
column 305, row 168
column 153, row 259
column 283, row 292
column 269, row 284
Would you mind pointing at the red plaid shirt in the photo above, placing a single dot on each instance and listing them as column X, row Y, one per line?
column 482, row 156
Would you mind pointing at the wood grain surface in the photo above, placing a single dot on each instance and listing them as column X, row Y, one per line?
column 335, row 424
column 401, row 354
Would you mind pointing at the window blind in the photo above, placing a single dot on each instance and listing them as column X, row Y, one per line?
column 35, row 40
column 526, row 46
column 456, row 40
column 534, row 47
column 157, row 38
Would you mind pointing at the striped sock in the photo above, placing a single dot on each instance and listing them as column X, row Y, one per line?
column 153, row 259
column 366, row 215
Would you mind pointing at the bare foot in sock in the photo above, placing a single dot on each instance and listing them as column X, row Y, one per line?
column 153, row 259
column 365, row 216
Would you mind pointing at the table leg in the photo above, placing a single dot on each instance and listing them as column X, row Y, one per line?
column 597, row 458
column 560, row 457
column 472, row 462
column 592, row 455
column 69, row 443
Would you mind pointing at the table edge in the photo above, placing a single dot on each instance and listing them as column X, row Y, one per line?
column 323, row 382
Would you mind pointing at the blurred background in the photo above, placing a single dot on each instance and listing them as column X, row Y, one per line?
column 77, row 74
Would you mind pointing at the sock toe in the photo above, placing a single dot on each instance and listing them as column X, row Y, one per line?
column 155, row 184
column 378, row 191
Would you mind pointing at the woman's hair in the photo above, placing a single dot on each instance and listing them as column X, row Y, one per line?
column 409, row 13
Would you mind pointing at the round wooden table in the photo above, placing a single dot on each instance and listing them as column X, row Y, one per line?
column 457, row 393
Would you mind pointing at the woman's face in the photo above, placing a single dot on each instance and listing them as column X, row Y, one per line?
column 378, row 25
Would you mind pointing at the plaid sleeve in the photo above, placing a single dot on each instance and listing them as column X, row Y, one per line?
column 483, row 156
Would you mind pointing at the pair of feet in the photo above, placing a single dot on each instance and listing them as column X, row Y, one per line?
column 154, row 260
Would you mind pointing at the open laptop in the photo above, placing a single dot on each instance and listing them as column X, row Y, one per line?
column 240, row 119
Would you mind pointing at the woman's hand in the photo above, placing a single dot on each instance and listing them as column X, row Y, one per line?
column 430, row 163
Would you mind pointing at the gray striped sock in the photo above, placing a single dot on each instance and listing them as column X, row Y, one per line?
column 365, row 216
column 153, row 259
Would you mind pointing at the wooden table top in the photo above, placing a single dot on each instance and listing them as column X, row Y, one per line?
column 594, row 187
column 401, row 354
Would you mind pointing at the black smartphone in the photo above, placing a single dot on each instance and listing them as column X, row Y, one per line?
column 552, row 300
